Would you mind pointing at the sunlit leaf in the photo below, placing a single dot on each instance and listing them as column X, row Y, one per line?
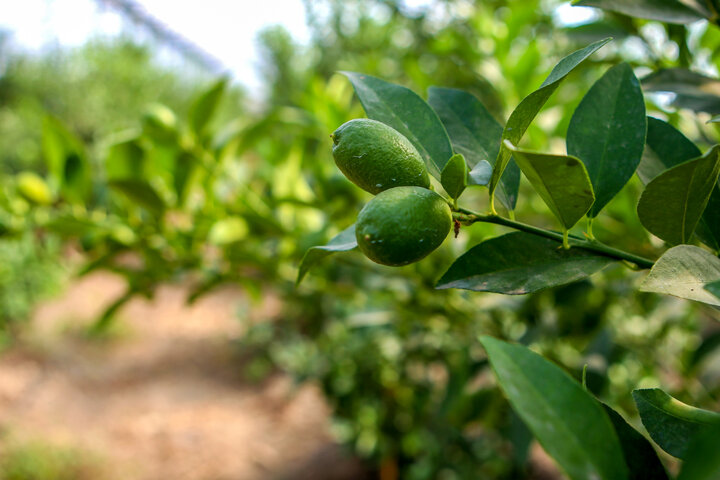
column 683, row 271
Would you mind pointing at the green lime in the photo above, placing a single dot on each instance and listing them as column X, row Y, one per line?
column 402, row 225
column 33, row 187
column 376, row 157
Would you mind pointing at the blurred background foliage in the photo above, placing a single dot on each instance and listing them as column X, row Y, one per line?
column 157, row 180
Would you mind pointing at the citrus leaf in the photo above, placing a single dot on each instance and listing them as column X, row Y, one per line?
column 404, row 110
column 561, row 181
column 666, row 147
column 228, row 230
column 607, row 132
column 481, row 173
column 692, row 90
column 524, row 113
column 476, row 134
column 139, row 192
column 518, row 263
column 454, row 176
column 671, row 205
column 204, row 107
column 714, row 288
column 558, row 411
column 640, row 456
column 671, row 423
column 66, row 159
column 342, row 242
column 669, row 11
column 683, row 272
column 702, row 461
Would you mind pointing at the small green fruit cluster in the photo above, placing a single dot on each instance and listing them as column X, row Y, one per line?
column 405, row 221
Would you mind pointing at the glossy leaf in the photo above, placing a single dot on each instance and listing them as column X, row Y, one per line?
column 203, row 109
column 524, row 113
column 404, row 110
column 476, row 134
column 518, row 263
column 683, row 272
column 558, row 411
column 561, row 181
column 692, row 90
column 666, row 147
column 702, row 461
column 671, row 205
column 139, row 192
column 454, row 176
column 607, row 132
column 640, row 456
column 669, row 11
column 671, row 423
column 342, row 242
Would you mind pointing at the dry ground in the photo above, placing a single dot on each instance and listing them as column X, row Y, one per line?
column 167, row 398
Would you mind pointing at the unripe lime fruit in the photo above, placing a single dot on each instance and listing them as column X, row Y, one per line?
column 376, row 157
column 402, row 225
column 32, row 186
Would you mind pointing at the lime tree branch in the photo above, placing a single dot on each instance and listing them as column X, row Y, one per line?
column 469, row 217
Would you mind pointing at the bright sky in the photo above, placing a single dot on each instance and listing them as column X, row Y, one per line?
column 224, row 28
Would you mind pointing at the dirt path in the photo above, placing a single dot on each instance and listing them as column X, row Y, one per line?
column 167, row 399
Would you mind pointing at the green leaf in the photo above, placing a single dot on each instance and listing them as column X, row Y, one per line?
column 125, row 160
column 666, row 148
column 671, row 205
column 406, row 112
column 341, row 242
column 524, row 113
column 561, row 181
column 518, row 263
column 568, row 422
column 702, row 461
column 481, row 173
column 714, row 288
column 669, row 11
column 607, row 132
column 140, row 192
column 454, row 176
column 671, row 423
column 683, row 272
column 692, row 90
column 640, row 456
column 66, row 159
column 202, row 110
column 228, row 230
column 476, row 134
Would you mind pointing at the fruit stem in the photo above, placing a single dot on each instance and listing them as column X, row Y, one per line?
column 593, row 246
column 589, row 228
column 566, row 243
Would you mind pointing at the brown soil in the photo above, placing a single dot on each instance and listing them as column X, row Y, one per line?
column 167, row 398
